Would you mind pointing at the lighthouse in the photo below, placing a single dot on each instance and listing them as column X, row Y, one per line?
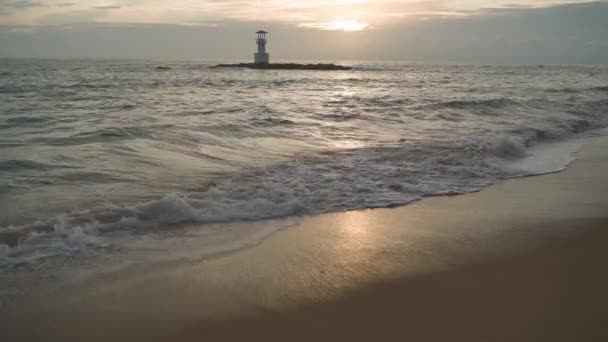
column 261, row 57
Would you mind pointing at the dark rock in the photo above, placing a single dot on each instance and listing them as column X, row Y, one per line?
column 285, row 66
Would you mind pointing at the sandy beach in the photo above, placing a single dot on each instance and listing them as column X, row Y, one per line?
column 519, row 261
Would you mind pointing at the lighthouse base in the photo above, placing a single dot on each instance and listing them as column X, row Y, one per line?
column 262, row 58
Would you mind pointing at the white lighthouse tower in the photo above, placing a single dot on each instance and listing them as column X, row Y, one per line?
column 261, row 57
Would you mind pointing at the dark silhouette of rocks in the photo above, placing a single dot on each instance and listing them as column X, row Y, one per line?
column 285, row 66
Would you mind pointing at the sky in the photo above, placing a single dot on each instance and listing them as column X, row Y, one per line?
column 468, row 31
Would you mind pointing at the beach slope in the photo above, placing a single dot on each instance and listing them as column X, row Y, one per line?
column 523, row 260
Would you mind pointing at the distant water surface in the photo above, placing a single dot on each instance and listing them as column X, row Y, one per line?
column 95, row 153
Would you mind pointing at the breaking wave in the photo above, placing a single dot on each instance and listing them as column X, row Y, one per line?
column 352, row 179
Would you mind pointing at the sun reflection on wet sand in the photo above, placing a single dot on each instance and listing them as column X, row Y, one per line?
column 354, row 227
column 356, row 247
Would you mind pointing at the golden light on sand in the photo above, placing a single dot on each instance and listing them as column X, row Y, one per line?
column 353, row 227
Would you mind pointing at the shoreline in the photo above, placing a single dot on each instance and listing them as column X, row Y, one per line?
column 567, row 150
column 338, row 271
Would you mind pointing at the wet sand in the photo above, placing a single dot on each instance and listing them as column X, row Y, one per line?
column 554, row 294
column 523, row 260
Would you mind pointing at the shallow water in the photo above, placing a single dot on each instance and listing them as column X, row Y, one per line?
column 95, row 154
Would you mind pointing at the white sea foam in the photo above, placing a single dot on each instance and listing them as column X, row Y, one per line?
column 543, row 158
column 511, row 147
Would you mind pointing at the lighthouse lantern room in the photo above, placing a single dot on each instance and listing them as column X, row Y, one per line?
column 261, row 57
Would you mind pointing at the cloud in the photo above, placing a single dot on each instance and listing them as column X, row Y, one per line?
column 20, row 4
column 15, row 6
column 309, row 13
column 568, row 34
column 107, row 7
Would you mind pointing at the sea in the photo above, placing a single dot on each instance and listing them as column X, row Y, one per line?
column 139, row 160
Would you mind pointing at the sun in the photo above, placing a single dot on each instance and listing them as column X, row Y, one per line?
column 346, row 25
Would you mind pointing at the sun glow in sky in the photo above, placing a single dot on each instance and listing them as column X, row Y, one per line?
column 341, row 24
column 472, row 31
column 345, row 15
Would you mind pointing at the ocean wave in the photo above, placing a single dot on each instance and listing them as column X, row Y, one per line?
column 25, row 121
column 22, row 164
column 87, row 85
column 73, row 233
column 513, row 143
column 569, row 90
column 12, row 89
column 339, row 116
column 106, row 134
column 353, row 179
column 508, row 146
column 366, row 139
column 127, row 106
column 110, row 132
column 284, row 82
column 471, row 104
column 270, row 121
